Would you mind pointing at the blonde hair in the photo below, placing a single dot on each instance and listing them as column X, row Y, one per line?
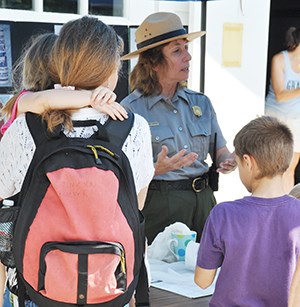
column 85, row 55
column 269, row 142
column 31, row 70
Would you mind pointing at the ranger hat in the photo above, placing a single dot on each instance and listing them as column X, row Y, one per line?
column 157, row 29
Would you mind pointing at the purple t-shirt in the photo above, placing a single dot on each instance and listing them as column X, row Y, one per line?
column 257, row 242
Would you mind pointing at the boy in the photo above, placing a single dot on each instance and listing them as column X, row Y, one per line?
column 255, row 240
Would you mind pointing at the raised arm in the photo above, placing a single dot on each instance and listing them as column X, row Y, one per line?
column 101, row 99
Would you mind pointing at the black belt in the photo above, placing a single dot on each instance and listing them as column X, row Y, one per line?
column 197, row 184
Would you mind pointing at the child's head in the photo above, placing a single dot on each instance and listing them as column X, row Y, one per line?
column 269, row 142
column 31, row 70
column 86, row 54
column 34, row 63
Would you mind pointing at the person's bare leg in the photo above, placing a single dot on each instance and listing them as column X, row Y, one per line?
column 289, row 175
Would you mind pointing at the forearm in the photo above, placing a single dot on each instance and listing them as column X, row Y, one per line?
column 287, row 95
column 223, row 154
column 57, row 99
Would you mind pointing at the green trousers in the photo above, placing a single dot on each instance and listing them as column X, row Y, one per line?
column 163, row 208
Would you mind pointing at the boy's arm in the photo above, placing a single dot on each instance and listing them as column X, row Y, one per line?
column 203, row 277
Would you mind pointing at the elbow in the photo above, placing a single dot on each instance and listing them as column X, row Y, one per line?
column 203, row 284
column 279, row 99
column 282, row 97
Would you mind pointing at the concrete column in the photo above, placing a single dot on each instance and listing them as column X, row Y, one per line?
column 38, row 6
column 83, row 7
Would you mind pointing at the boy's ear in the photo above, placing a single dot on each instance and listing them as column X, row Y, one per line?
column 248, row 161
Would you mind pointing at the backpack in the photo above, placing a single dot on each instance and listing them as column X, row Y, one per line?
column 79, row 236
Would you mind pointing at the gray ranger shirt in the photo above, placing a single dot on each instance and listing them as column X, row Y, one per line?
column 188, row 121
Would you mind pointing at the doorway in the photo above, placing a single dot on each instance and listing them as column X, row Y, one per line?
column 283, row 14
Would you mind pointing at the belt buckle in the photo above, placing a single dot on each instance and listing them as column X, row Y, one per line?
column 194, row 185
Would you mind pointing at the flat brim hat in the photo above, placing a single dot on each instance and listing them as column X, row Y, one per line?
column 158, row 29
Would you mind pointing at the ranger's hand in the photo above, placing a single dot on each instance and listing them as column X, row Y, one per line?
column 165, row 164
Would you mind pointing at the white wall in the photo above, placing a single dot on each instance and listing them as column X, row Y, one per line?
column 237, row 93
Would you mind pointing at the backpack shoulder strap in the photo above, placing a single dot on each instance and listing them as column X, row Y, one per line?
column 119, row 130
column 37, row 127
column 142, row 290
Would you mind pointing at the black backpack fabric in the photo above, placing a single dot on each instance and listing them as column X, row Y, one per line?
column 79, row 236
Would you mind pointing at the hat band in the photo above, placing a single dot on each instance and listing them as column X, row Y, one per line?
column 160, row 38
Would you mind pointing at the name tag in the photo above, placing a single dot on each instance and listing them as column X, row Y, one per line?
column 152, row 124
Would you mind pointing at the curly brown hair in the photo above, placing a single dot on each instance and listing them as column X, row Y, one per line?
column 143, row 77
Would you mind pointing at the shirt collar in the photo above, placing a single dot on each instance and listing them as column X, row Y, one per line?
column 180, row 93
column 153, row 100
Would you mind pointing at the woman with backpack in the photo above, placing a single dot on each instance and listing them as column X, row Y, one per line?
column 85, row 56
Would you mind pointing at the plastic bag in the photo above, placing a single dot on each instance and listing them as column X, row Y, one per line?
column 159, row 248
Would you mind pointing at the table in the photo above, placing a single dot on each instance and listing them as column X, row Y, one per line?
column 162, row 298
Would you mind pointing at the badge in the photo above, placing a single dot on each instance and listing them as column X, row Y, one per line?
column 197, row 111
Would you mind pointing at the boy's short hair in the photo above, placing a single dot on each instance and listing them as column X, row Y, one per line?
column 269, row 142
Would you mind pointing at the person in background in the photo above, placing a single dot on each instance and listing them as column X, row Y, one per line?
column 254, row 240
column 283, row 98
column 72, row 65
column 183, row 124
